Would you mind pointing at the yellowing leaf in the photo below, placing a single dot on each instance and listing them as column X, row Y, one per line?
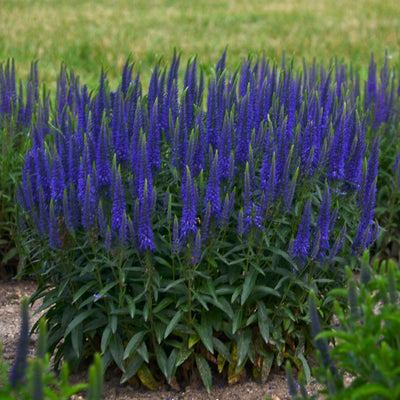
column 146, row 377
column 193, row 339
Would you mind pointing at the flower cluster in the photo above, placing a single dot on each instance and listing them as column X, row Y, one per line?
column 201, row 210
column 269, row 144
column 14, row 103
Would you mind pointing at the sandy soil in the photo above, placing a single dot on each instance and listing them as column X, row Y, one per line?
column 11, row 293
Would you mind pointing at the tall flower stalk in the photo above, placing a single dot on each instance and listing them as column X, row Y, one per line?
column 221, row 203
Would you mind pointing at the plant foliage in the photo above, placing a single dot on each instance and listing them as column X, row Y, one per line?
column 33, row 379
column 181, row 230
column 366, row 341
column 16, row 112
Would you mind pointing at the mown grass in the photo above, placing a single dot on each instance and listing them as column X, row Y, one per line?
column 87, row 35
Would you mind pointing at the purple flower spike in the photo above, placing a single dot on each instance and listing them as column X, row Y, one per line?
column 241, row 223
column 103, row 167
column 126, row 77
column 145, row 232
column 338, row 244
column 89, row 206
column 196, row 255
column 107, row 240
column 324, row 222
column 57, row 181
column 372, row 170
column 336, row 155
column 301, row 244
column 212, row 192
column 316, row 329
column 363, row 237
column 118, row 206
column 176, row 247
column 17, row 372
column 119, row 130
column 54, row 235
column 189, row 206
column 153, row 143
column 354, row 163
column 224, row 148
column 371, row 87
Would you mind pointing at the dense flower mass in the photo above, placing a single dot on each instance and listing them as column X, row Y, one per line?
column 267, row 141
column 187, row 221
column 14, row 103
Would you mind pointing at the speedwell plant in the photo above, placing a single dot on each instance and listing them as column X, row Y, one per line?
column 179, row 232
column 382, row 99
column 17, row 108
column 32, row 378
column 366, row 345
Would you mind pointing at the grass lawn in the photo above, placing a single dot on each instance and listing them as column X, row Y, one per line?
column 87, row 35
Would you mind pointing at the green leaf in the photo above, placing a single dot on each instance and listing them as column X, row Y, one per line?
column 200, row 298
column 226, row 307
column 248, row 284
column 205, row 371
column 172, row 324
column 106, row 289
column 193, row 339
column 132, row 368
column 263, row 321
column 144, row 352
column 267, row 361
column 237, row 320
column 370, row 390
column 161, row 360
column 117, row 351
column 70, row 390
column 306, row 367
column 222, row 349
column 224, row 290
column 95, row 389
column 172, row 285
column 163, row 304
column 345, row 336
column 236, row 294
column 76, row 339
column 159, row 330
column 131, row 306
column 113, row 323
column 9, row 255
column 183, row 356
column 265, row 290
column 205, row 333
column 105, row 339
column 37, row 369
column 243, row 343
column 146, row 311
column 281, row 253
column 162, row 261
column 96, row 324
column 83, row 290
column 78, row 320
column 209, row 287
column 133, row 344
column 172, row 364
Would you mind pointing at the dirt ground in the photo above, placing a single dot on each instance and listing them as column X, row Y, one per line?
column 11, row 293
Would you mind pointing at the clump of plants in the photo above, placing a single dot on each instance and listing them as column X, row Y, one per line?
column 33, row 378
column 179, row 232
column 17, row 108
column 366, row 344
column 382, row 101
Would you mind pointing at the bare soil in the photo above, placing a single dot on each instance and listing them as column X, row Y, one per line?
column 11, row 294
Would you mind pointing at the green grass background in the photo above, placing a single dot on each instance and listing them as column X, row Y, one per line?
column 87, row 35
